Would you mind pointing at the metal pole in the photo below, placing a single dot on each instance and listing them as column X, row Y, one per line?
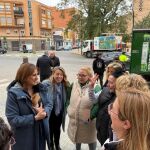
column 19, row 40
column 132, row 14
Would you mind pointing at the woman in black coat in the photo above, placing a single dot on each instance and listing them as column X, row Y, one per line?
column 28, row 110
column 106, row 97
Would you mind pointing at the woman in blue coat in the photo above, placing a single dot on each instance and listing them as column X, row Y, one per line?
column 59, row 90
column 28, row 109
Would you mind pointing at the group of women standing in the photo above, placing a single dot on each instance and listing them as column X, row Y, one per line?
column 37, row 110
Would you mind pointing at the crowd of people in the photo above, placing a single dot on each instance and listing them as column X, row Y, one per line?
column 115, row 112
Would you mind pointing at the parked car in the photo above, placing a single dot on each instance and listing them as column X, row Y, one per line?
column 67, row 47
column 110, row 56
column 3, row 51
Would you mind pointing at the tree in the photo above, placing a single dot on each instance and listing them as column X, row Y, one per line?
column 99, row 15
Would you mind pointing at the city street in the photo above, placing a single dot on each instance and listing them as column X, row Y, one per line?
column 9, row 64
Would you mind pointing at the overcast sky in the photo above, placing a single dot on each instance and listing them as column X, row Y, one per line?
column 50, row 2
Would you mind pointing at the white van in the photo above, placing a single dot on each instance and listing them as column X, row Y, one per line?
column 27, row 48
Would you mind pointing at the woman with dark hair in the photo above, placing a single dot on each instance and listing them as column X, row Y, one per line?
column 58, row 90
column 106, row 97
column 28, row 109
column 6, row 139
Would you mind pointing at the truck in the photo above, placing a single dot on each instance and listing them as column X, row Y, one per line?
column 101, row 44
column 140, row 53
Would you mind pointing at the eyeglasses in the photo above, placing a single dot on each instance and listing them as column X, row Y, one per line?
column 118, row 115
column 82, row 75
column 12, row 141
column 110, row 107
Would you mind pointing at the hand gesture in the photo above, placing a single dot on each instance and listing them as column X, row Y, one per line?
column 93, row 80
column 41, row 114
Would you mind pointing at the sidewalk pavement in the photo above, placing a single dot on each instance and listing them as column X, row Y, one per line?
column 66, row 143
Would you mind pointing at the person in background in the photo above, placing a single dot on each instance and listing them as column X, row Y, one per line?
column 28, row 109
column 99, row 68
column 123, row 58
column 132, row 129
column 53, row 59
column 6, row 136
column 44, row 66
column 58, row 89
column 25, row 60
column 81, row 128
column 110, row 69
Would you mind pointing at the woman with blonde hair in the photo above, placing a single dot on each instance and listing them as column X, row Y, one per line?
column 58, row 91
column 132, row 80
column 130, row 115
column 81, row 129
column 112, row 67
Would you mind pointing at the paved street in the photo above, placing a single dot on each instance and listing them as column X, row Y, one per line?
column 11, row 61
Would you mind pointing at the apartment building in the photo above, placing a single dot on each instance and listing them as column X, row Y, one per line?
column 24, row 21
column 141, row 9
column 60, row 20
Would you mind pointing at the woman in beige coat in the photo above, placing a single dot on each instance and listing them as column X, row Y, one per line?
column 81, row 129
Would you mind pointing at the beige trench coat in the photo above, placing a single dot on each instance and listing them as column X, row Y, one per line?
column 80, row 128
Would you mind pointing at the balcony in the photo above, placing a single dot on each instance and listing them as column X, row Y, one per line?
column 18, row 11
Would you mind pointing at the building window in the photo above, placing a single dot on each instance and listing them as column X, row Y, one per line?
column 43, row 23
column 1, row 7
column 15, row 31
column 49, row 24
column 9, row 21
column 7, row 6
column 43, row 11
column 48, row 13
column 29, row 3
column 2, row 20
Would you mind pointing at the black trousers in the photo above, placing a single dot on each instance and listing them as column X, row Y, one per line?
column 55, row 124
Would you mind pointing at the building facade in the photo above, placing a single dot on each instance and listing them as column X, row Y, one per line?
column 141, row 9
column 24, row 21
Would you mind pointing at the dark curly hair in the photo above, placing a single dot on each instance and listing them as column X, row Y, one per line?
column 5, row 135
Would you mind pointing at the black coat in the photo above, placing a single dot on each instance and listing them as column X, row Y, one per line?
column 103, row 118
column 44, row 66
column 28, row 133
column 99, row 66
column 54, row 62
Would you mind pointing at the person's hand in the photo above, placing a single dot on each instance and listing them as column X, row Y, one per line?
column 41, row 114
column 93, row 80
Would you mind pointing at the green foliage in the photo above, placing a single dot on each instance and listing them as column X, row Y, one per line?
column 94, row 17
column 126, row 38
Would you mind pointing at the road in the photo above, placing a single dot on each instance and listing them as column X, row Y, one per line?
column 9, row 64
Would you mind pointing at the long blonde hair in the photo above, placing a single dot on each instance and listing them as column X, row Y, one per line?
column 134, row 105
column 65, row 81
